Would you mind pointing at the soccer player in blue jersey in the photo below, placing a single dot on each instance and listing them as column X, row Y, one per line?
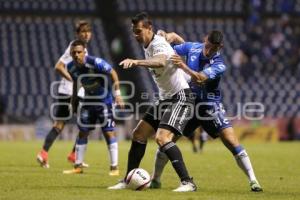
column 205, row 67
column 201, row 135
column 94, row 74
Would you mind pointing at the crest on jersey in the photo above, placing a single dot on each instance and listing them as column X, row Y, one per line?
column 98, row 60
column 193, row 58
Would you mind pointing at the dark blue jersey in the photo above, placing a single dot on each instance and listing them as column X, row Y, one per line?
column 212, row 67
column 94, row 76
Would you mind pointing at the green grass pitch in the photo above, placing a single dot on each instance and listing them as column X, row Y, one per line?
column 277, row 166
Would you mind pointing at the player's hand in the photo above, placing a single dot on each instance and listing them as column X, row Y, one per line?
column 177, row 60
column 128, row 63
column 199, row 78
column 119, row 101
column 162, row 33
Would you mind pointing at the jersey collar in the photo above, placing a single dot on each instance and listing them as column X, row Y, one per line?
column 145, row 47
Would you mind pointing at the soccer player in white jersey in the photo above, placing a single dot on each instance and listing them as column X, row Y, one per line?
column 167, row 117
column 83, row 31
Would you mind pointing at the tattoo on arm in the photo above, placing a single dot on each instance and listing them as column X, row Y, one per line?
column 155, row 62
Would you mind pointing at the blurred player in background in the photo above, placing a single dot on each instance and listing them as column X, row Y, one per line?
column 97, row 103
column 200, row 136
column 169, row 115
column 205, row 66
column 63, row 111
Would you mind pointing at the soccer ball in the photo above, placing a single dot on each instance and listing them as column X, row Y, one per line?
column 138, row 179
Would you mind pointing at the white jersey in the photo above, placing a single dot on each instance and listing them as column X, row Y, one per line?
column 65, row 86
column 169, row 79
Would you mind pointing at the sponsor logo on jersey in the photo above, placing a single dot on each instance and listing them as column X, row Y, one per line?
column 196, row 50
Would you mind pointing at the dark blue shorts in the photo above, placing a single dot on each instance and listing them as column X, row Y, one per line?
column 92, row 114
column 210, row 116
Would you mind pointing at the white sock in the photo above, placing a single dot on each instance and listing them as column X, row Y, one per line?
column 79, row 153
column 244, row 163
column 113, row 154
column 161, row 159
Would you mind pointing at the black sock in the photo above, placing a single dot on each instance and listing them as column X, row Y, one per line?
column 135, row 155
column 176, row 159
column 201, row 144
column 50, row 138
column 74, row 147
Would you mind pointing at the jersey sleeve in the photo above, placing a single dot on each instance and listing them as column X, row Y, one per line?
column 102, row 66
column 66, row 57
column 215, row 70
column 183, row 49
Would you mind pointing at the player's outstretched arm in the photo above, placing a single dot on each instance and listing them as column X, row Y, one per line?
column 155, row 62
column 172, row 37
column 116, row 88
column 198, row 77
column 60, row 68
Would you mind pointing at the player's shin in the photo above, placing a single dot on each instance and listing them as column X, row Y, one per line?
column 135, row 155
column 161, row 159
column 112, row 145
column 81, row 146
column 244, row 162
column 74, row 147
column 50, row 138
column 175, row 156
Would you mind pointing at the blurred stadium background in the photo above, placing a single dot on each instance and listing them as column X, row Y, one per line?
column 262, row 40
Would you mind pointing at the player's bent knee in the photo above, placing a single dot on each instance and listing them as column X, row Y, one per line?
column 142, row 132
column 159, row 140
column 110, row 134
column 163, row 136
column 139, row 135
column 59, row 125
column 83, row 134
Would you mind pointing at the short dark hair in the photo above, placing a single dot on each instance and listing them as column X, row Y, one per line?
column 143, row 16
column 78, row 43
column 82, row 24
column 215, row 37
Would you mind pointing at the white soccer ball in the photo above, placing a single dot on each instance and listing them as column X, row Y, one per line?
column 138, row 179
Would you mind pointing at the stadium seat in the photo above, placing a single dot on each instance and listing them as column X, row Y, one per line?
column 30, row 48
